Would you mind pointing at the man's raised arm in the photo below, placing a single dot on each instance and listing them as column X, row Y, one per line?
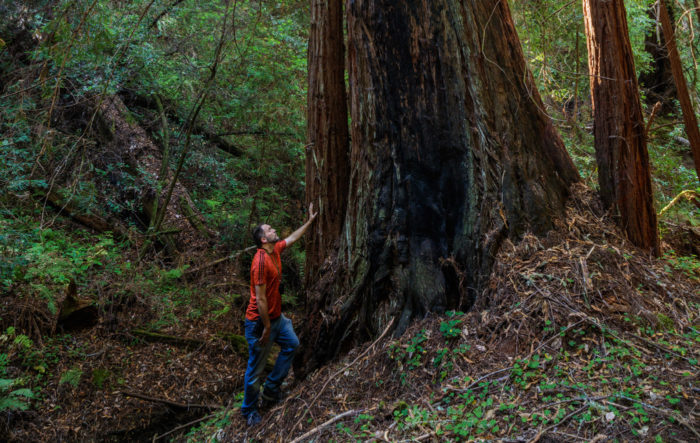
column 296, row 235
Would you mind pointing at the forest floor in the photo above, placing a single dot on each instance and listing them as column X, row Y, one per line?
column 582, row 337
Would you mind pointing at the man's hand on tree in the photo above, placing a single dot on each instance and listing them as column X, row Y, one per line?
column 312, row 214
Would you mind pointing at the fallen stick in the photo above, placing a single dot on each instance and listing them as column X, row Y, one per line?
column 237, row 341
column 654, row 110
column 326, row 423
column 218, row 260
column 165, row 338
column 239, row 344
column 174, row 404
column 193, row 422
column 343, row 370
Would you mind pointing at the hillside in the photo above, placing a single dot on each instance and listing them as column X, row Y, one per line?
column 583, row 338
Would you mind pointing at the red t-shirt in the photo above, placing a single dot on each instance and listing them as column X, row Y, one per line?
column 266, row 269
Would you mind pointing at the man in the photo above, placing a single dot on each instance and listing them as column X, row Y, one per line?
column 264, row 323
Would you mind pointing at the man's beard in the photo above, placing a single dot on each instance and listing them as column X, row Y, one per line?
column 275, row 239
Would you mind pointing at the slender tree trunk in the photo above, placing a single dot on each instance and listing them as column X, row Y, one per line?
column 574, row 117
column 451, row 153
column 620, row 145
column 658, row 81
column 327, row 161
column 691, row 122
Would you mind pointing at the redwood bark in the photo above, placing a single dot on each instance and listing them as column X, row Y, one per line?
column 689, row 119
column 451, row 153
column 327, row 161
column 658, row 81
column 620, row 144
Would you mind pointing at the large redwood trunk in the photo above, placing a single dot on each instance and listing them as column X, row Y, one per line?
column 451, row 153
column 327, row 161
column 691, row 122
column 620, row 143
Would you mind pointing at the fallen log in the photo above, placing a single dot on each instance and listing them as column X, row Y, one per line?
column 144, row 101
column 92, row 221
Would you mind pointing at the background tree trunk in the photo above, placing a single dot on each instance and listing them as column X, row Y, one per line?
column 658, row 81
column 327, row 161
column 620, row 144
column 691, row 122
column 451, row 153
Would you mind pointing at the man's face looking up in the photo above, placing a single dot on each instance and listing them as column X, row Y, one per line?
column 269, row 234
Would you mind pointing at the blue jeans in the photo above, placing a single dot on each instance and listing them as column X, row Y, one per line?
column 282, row 333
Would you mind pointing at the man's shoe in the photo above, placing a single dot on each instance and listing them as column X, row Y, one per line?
column 272, row 397
column 254, row 418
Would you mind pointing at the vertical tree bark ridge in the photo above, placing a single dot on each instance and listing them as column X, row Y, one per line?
column 327, row 157
column 689, row 119
column 620, row 144
column 451, row 153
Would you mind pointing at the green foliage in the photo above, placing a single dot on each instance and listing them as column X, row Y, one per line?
column 16, row 399
column 689, row 265
column 590, row 377
column 549, row 33
column 71, row 377
column 221, row 304
column 450, row 328
column 411, row 353
column 15, row 143
column 100, row 376
column 10, row 398
column 45, row 260
column 258, row 97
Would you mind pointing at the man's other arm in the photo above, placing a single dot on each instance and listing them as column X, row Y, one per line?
column 261, row 300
